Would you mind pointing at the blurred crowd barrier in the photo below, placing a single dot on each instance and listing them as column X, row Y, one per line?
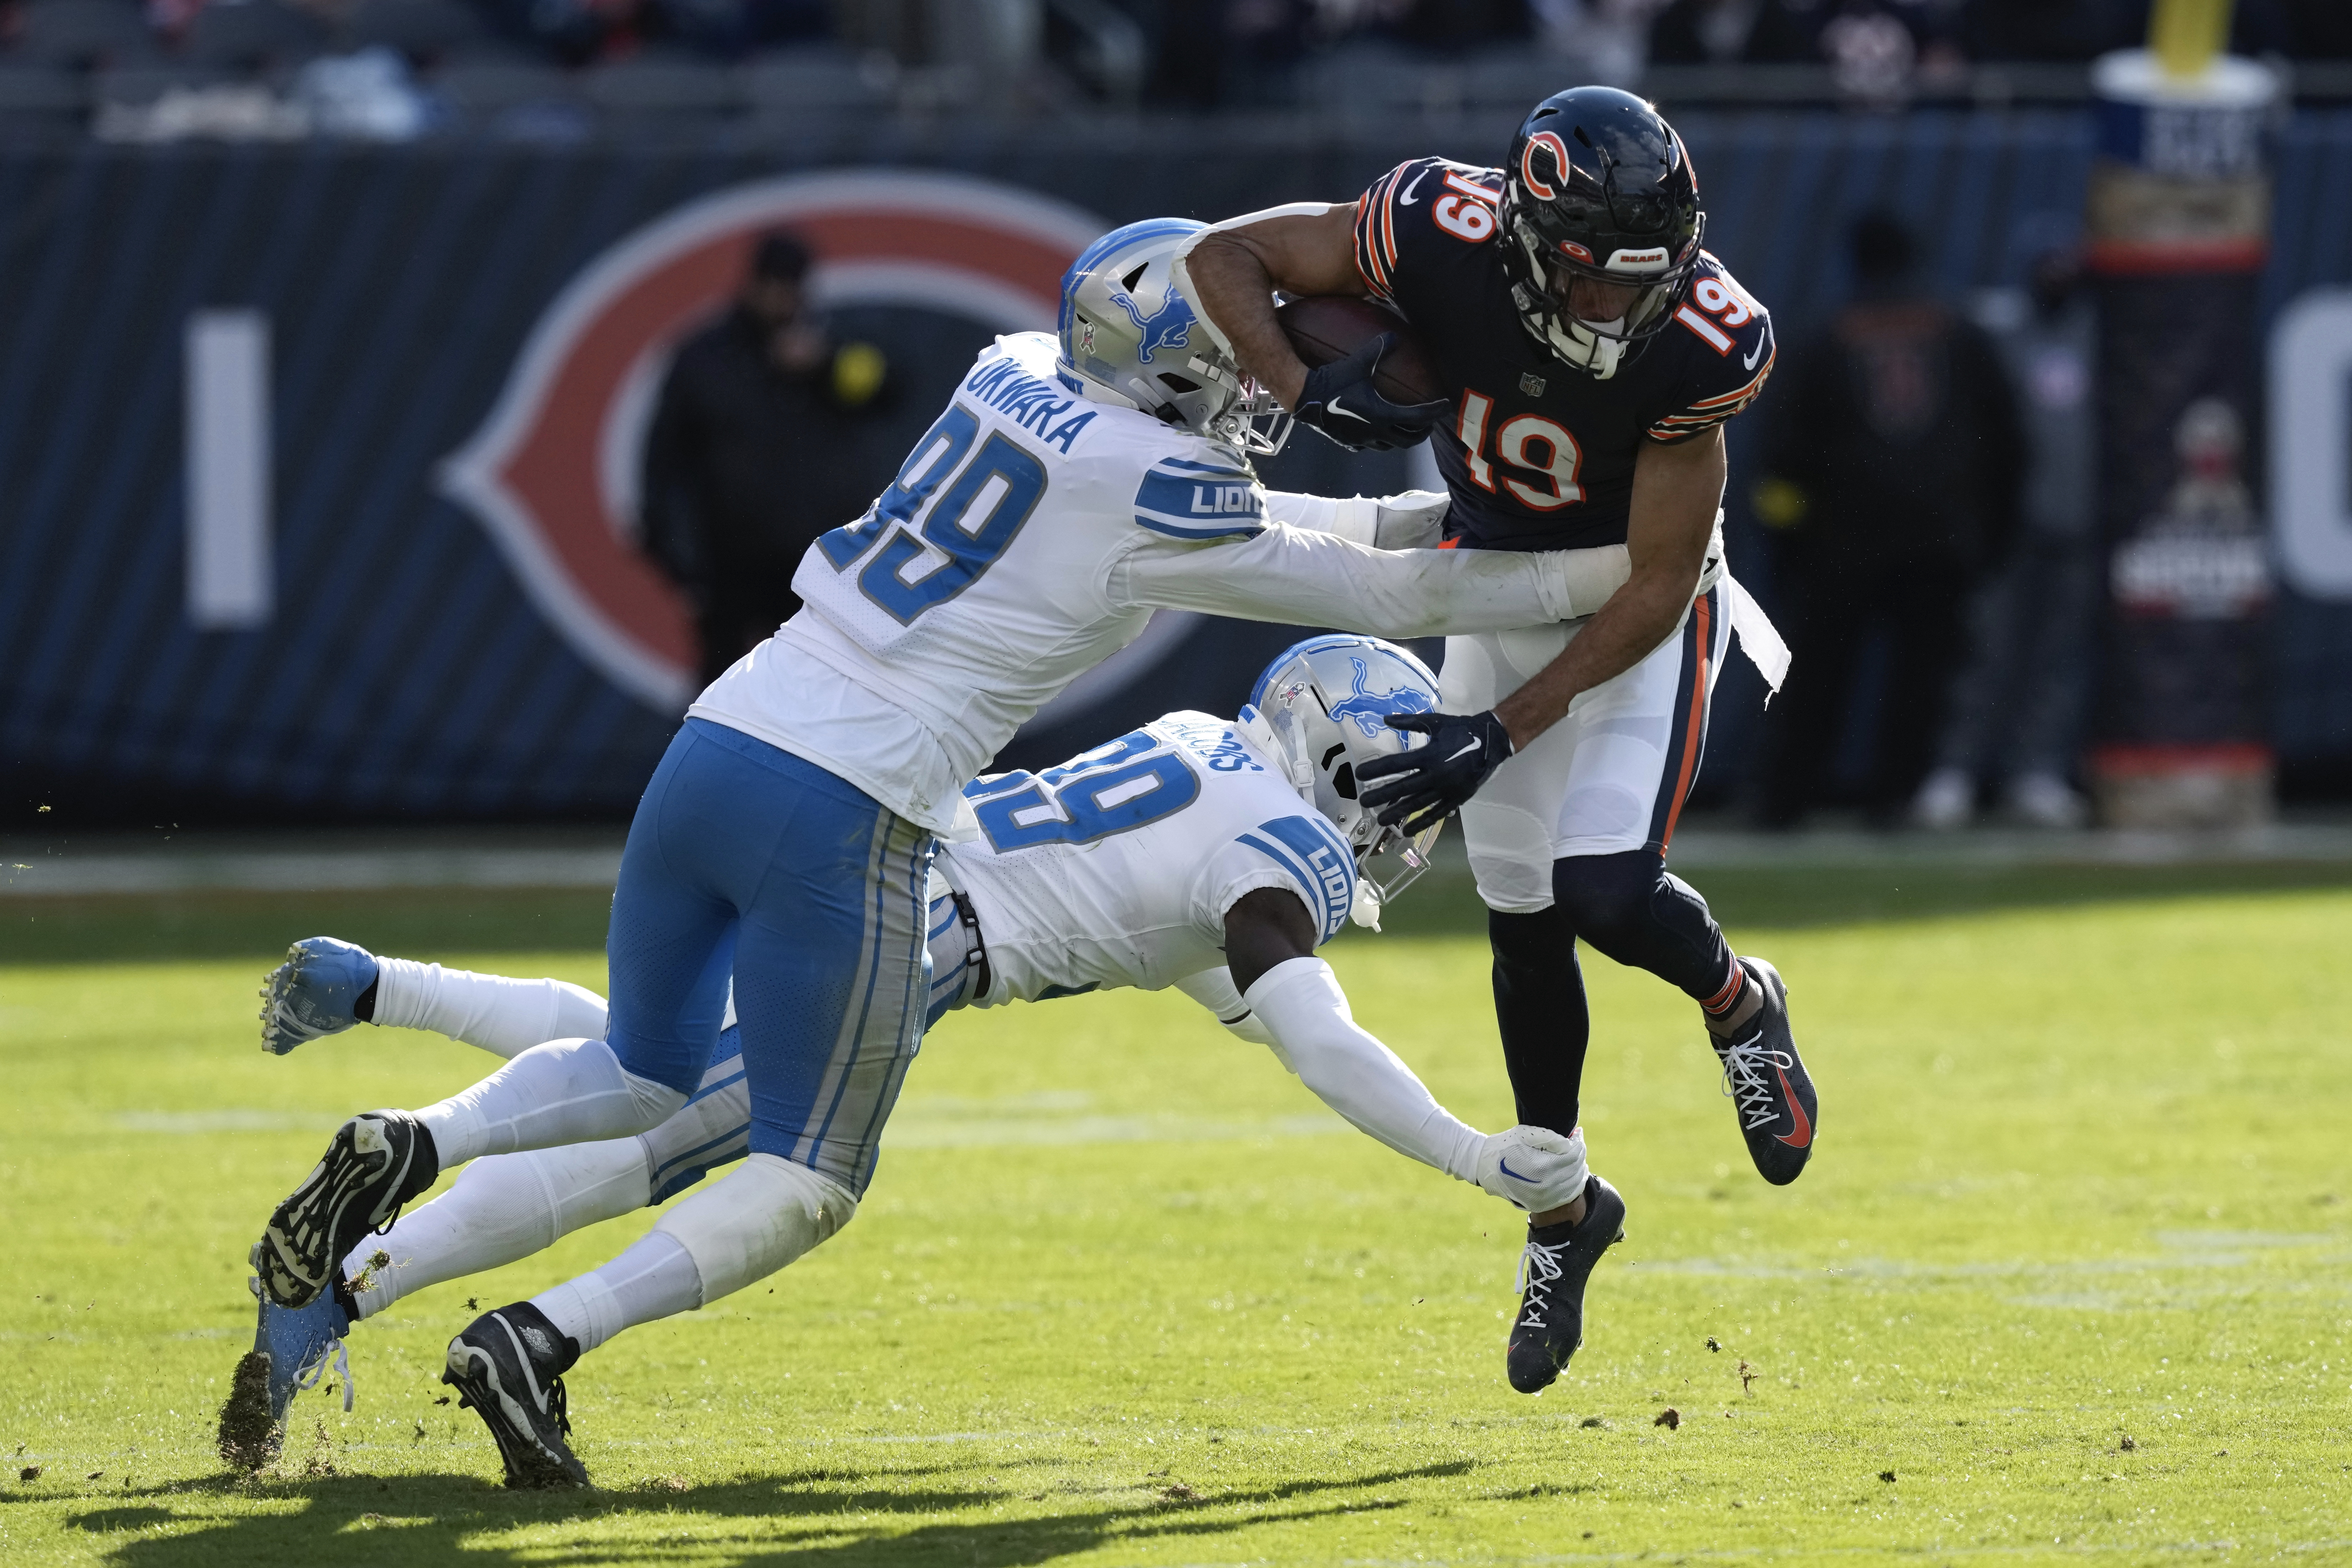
column 152, row 71
column 320, row 457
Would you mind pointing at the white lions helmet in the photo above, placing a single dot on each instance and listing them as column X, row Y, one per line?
column 1320, row 709
column 1130, row 337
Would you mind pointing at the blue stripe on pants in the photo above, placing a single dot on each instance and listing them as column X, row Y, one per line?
column 744, row 856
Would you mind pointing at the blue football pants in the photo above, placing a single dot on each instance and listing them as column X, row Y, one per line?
column 746, row 859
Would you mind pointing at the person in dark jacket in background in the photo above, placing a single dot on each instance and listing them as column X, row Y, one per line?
column 1892, row 479
column 2017, row 711
column 757, row 447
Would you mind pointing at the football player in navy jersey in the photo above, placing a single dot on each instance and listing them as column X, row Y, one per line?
column 1591, row 351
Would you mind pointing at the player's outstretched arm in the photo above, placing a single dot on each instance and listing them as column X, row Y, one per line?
column 1214, row 989
column 1270, row 949
column 1289, row 575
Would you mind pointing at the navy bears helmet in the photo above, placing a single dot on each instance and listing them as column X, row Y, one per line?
column 1598, row 186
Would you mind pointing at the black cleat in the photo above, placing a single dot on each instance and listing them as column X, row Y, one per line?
column 507, row 1368
column 1767, row 1085
column 1558, row 1259
column 375, row 1164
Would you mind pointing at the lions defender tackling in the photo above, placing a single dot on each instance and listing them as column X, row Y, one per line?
column 1591, row 351
column 1068, row 488
column 1175, row 853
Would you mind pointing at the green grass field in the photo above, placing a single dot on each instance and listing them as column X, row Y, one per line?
column 2070, row 1279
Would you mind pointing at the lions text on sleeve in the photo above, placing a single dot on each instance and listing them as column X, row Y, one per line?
column 1537, row 455
column 1117, row 867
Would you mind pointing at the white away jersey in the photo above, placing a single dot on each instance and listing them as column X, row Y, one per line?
column 976, row 586
column 1116, row 867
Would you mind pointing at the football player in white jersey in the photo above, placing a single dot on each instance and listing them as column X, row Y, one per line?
column 1069, row 488
column 1159, row 857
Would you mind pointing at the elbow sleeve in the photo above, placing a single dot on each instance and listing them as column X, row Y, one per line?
column 1302, row 1004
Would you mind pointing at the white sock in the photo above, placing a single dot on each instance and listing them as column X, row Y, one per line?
column 501, row 1209
column 743, row 1227
column 656, row 1278
column 506, row 1016
column 565, row 1091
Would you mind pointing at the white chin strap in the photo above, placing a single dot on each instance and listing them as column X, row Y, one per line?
column 1591, row 351
column 1253, row 727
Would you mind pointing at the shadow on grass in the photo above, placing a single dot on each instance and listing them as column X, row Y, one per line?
column 1758, row 897
column 362, row 1522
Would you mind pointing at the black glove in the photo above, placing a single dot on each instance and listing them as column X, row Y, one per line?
column 1339, row 400
column 1433, row 781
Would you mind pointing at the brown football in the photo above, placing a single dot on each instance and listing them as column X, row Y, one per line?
column 1325, row 327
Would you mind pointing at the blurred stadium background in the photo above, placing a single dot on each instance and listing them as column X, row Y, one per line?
column 333, row 326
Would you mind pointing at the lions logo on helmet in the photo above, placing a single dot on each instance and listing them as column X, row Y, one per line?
column 1114, row 351
column 1370, row 712
column 1166, row 328
column 1320, row 709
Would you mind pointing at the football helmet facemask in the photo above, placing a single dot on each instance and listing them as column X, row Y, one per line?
column 1598, row 189
column 1131, row 337
column 1320, row 709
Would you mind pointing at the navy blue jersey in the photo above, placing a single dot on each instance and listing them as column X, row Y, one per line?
column 1538, row 454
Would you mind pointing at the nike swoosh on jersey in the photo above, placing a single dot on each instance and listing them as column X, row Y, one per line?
column 1404, row 198
column 1748, row 362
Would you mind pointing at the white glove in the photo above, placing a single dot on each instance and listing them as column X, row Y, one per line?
column 1533, row 1167
column 1411, row 519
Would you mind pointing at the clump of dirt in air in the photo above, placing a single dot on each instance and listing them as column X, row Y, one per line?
column 248, row 1441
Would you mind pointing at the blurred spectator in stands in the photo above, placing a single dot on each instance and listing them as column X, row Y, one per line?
column 729, row 28
column 1704, row 32
column 755, row 450
column 578, row 32
column 572, row 31
column 1205, row 53
column 1874, row 48
column 2017, row 708
column 1891, row 476
column 1209, row 52
column 1611, row 38
column 1455, row 25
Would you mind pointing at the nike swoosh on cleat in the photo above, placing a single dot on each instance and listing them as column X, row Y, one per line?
column 1803, row 1136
